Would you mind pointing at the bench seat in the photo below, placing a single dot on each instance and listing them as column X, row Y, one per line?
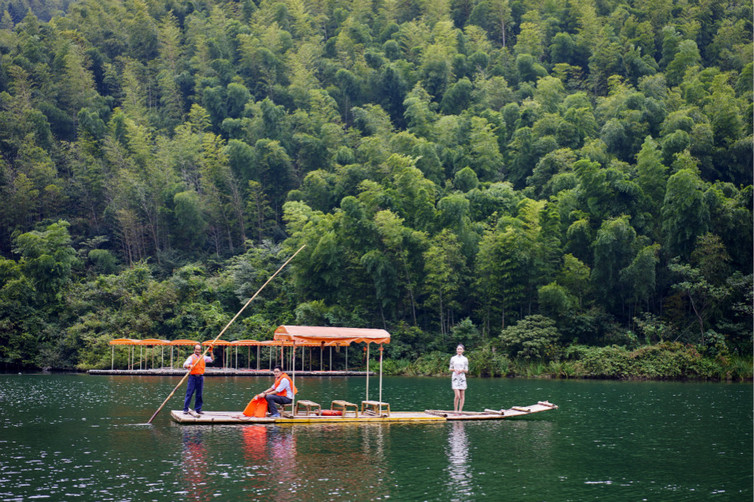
column 376, row 407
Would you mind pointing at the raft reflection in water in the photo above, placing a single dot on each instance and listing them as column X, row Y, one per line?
column 270, row 455
column 194, row 466
column 277, row 469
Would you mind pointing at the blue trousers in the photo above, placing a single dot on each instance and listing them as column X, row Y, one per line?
column 195, row 384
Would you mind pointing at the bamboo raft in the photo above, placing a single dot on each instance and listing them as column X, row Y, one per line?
column 309, row 416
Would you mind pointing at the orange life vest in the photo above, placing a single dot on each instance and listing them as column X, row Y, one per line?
column 198, row 366
column 284, row 393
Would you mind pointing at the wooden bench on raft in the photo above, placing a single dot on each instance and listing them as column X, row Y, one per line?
column 375, row 407
column 345, row 407
column 310, row 408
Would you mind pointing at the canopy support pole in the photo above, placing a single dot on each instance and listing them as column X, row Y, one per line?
column 112, row 358
column 380, row 373
column 293, row 393
column 367, row 371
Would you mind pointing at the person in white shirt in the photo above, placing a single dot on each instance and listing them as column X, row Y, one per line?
column 459, row 365
column 281, row 392
column 195, row 363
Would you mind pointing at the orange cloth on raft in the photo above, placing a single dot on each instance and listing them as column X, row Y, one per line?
column 257, row 407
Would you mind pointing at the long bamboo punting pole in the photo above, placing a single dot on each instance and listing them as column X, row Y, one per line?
column 223, row 331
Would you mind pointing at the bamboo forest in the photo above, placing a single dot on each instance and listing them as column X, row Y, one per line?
column 564, row 186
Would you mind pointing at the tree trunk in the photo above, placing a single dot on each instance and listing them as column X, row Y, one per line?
column 698, row 316
column 442, row 318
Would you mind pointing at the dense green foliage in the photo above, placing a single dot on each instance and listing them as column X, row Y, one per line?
column 663, row 361
column 455, row 167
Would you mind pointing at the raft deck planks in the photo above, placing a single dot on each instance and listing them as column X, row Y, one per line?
column 236, row 417
column 428, row 416
column 515, row 411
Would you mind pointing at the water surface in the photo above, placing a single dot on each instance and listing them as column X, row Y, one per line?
column 78, row 437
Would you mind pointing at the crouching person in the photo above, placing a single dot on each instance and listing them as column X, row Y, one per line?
column 281, row 392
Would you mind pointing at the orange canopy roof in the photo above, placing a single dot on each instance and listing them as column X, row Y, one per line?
column 326, row 334
column 279, row 343
column 245, row 343
column 262, row 343
column 152, row 341
column 183, row 342
column 122, row 341
column 216, row 342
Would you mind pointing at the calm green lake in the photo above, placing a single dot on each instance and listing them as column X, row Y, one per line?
column 77, row 437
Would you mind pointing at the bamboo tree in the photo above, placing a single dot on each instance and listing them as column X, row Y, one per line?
column 445, row 268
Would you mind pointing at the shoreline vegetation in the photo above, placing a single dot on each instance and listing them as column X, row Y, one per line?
column 663, row 361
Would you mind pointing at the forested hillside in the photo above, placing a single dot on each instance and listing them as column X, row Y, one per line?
column 527, row 177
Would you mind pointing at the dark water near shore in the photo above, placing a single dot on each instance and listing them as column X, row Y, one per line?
column 77, row 437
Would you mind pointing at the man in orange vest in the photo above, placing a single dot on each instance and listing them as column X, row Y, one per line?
column 281, row 392
column 196, row 363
